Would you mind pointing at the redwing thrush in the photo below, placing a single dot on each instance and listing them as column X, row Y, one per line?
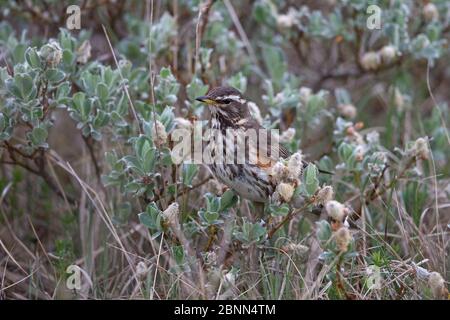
column 250, row 179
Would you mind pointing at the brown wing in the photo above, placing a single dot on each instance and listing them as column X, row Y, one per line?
column 284, row 153
column 267, row 157
column 267, row 150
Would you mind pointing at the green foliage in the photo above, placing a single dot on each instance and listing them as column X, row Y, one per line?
column 152, row 219
column 189, row 172
column 306, row 67
column 311, row 180
column 250, row 233
column 216, row 207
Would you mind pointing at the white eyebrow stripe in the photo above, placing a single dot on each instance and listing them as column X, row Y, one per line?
column 232, row 97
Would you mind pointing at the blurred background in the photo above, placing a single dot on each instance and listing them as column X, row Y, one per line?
column 355, row 100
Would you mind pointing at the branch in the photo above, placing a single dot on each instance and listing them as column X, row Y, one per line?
column 289, row 217
column 88, row 141
column 202, row 21
column 40, row 171
column 376, row 192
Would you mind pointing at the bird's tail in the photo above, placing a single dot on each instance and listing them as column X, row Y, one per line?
column 305, row 164
column 325, row 171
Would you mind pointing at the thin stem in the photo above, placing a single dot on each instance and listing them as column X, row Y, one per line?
column 289, row 217
column 88, row 141
column 125, row 88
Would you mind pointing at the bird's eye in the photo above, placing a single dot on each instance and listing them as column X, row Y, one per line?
column 226, row 101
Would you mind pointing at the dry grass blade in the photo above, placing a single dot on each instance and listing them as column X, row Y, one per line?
column 124, row 86
column 115, row 150
column 99, row 206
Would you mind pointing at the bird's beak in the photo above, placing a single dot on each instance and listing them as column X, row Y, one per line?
column 205, row 99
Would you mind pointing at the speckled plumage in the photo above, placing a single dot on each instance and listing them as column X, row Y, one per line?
column 252, row 181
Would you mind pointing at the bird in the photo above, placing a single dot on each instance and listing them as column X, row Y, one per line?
column 230, row 112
